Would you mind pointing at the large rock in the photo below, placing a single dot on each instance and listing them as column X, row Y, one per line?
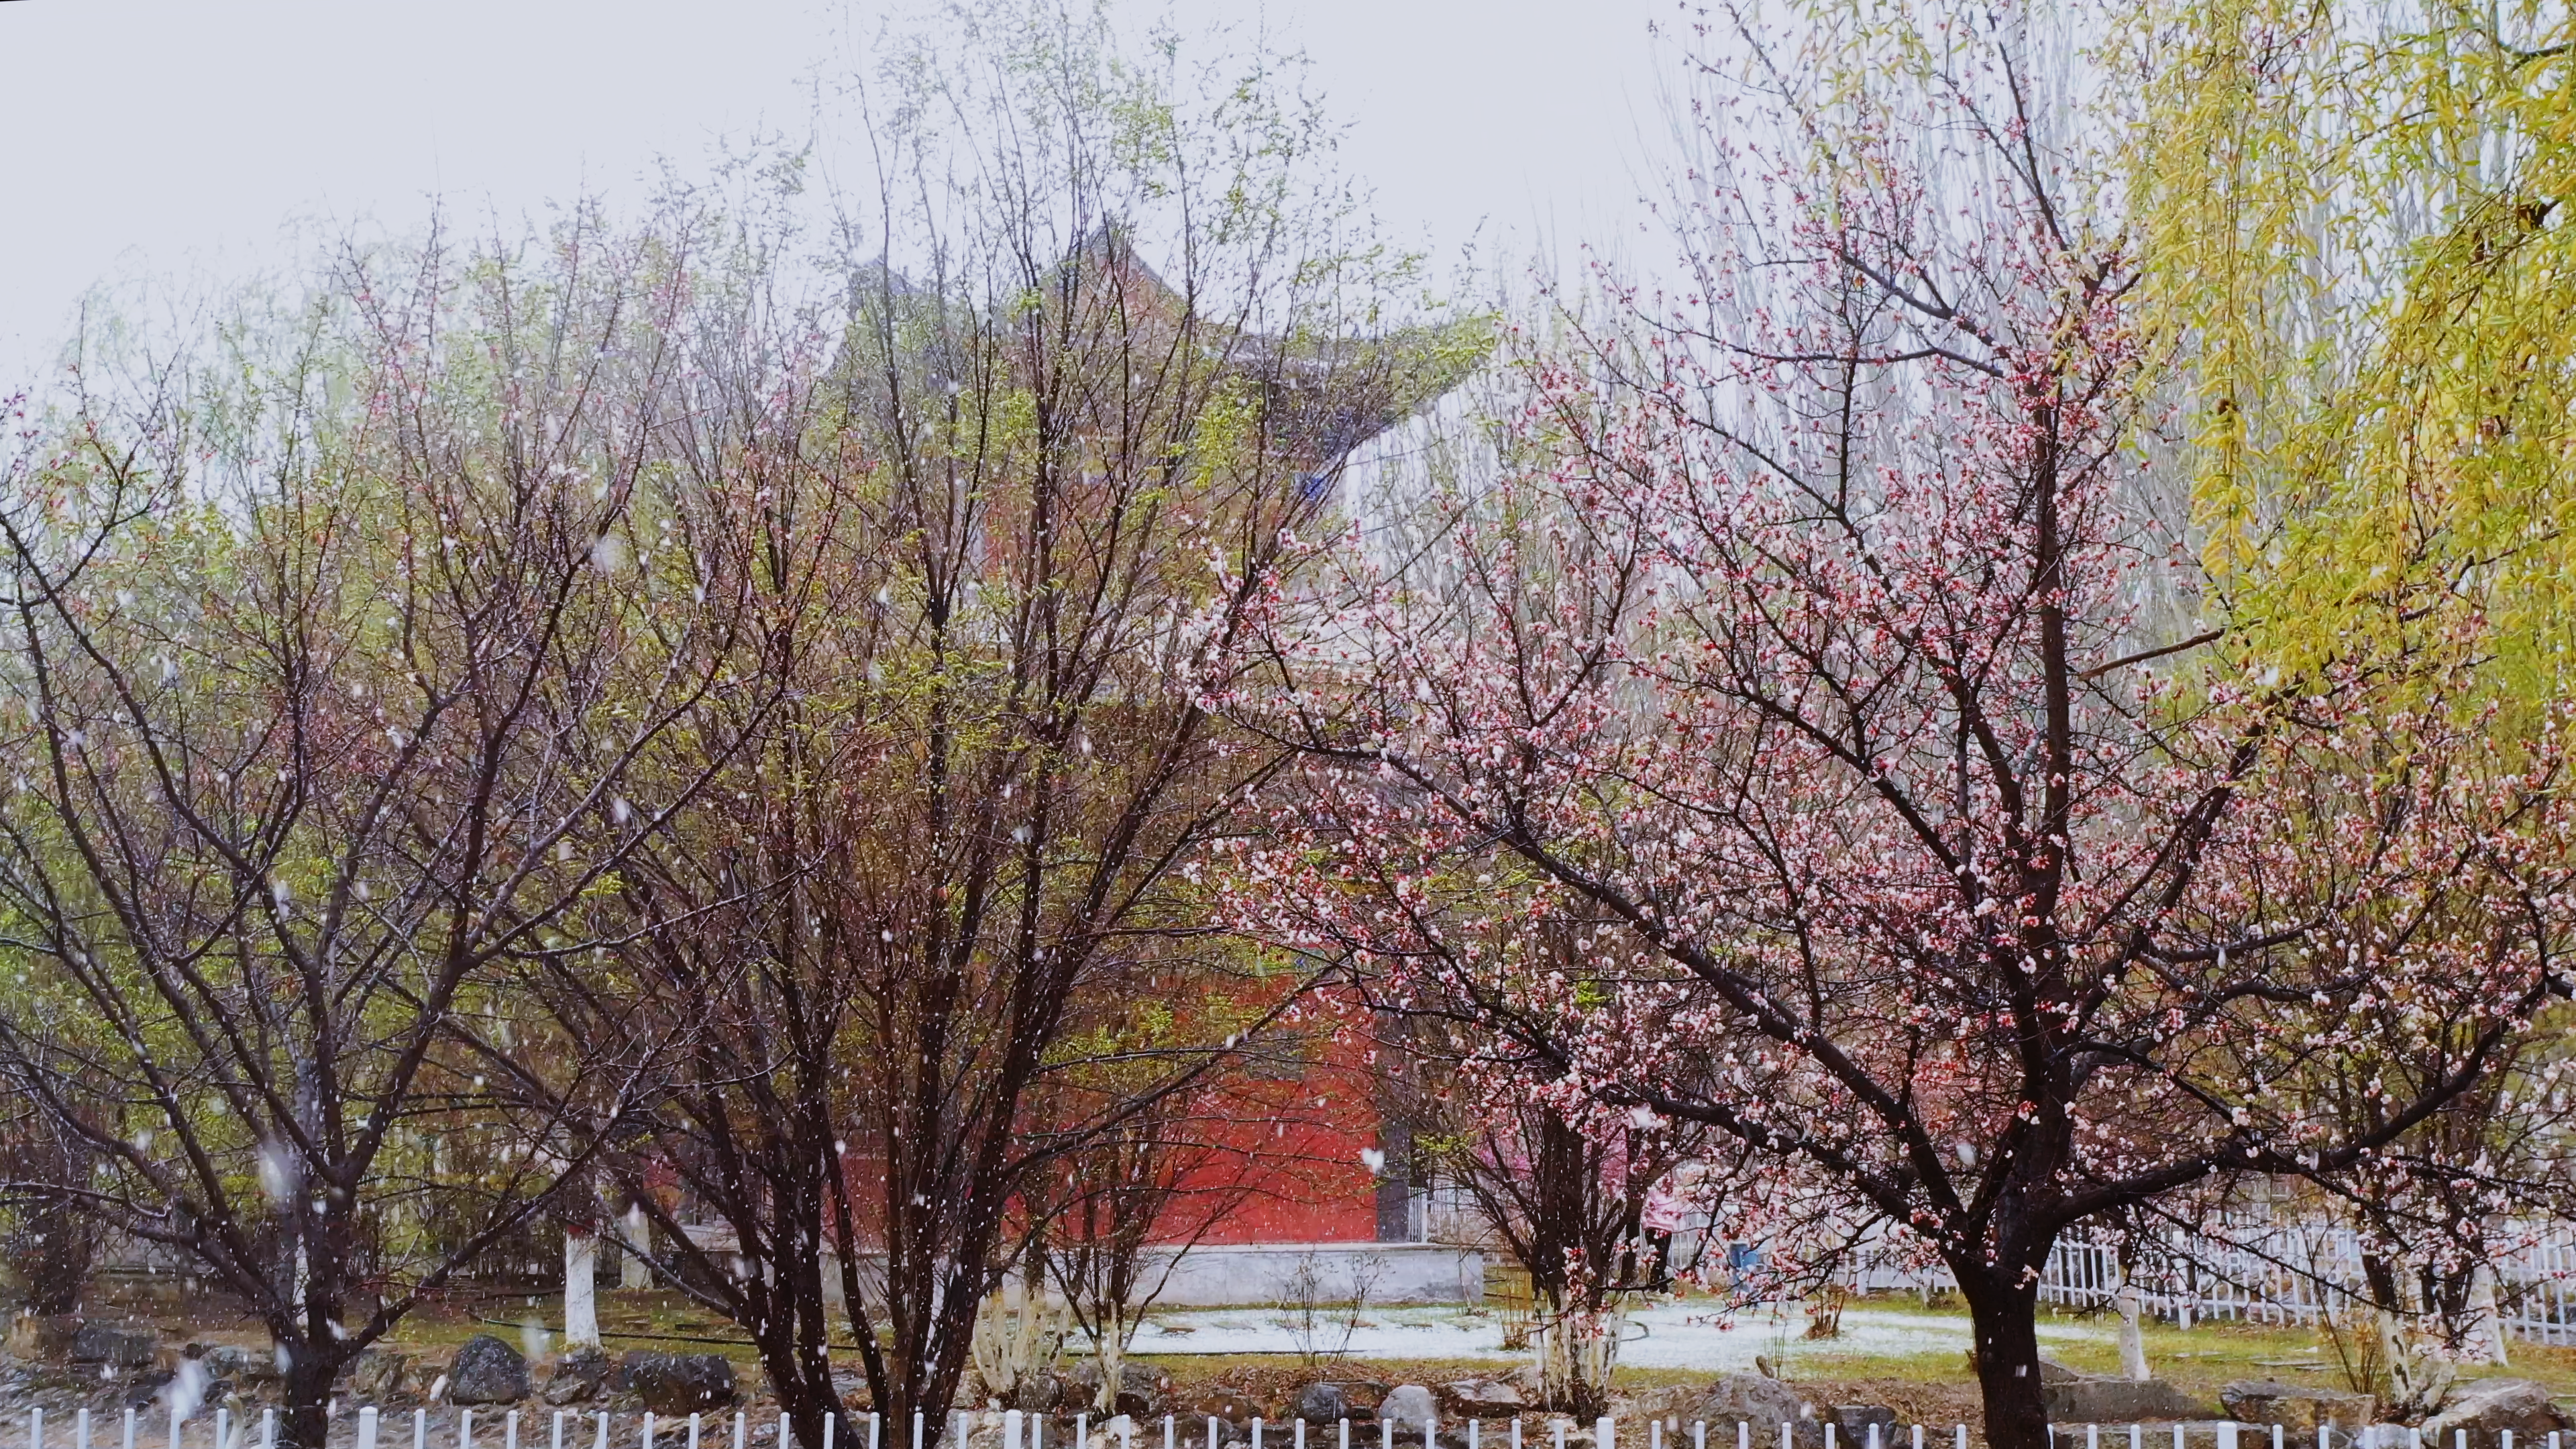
column 579, row 1377
column 1226, row 1405
column 379, row 1374
column 1142, row 1390
column 237, row 1365
column 1410, row 1406
column 113, row 1347
column 1853, row 1423
column 1758, row 1400
column 677, row 1383
column 2120, row 1401
column 149, row 1389
column 2299, row 1407
column 2488, row 1407
column 1036, row 1393
column 1321, row 1403
column 1483, row 1398
column 42, row 1335
column 487, row 1371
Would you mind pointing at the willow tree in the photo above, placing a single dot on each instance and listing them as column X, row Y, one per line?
column 2357, row 251
column 2357, row 258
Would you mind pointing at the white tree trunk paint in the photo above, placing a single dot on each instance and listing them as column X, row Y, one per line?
column 2486, row 1334
column 632, row 1273
column 2133, row 1339
column 581, row 1290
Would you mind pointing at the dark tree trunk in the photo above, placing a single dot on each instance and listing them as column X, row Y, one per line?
column 792, row 1351
column 303, row 1421
column 2003, row 1314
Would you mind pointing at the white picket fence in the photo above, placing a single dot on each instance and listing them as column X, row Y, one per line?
column 2276, row 1273
column 2297, row 1273
column 370, row 1429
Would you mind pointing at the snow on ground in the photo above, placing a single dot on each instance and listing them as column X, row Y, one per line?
column 1667, row 1335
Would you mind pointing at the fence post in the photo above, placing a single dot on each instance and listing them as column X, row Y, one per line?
column 420, row 1431
column 555, row 1441
column 1605, row 1433
column 693, row 1432
column 366, row 1427
column 465, row 1431
column 129, row 1431
column 36, row 1429
column 268, row 1430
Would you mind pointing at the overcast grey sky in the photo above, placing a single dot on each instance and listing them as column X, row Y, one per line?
column 181, row 139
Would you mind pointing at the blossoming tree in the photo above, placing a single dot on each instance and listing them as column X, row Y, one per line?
column 1815, row 646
